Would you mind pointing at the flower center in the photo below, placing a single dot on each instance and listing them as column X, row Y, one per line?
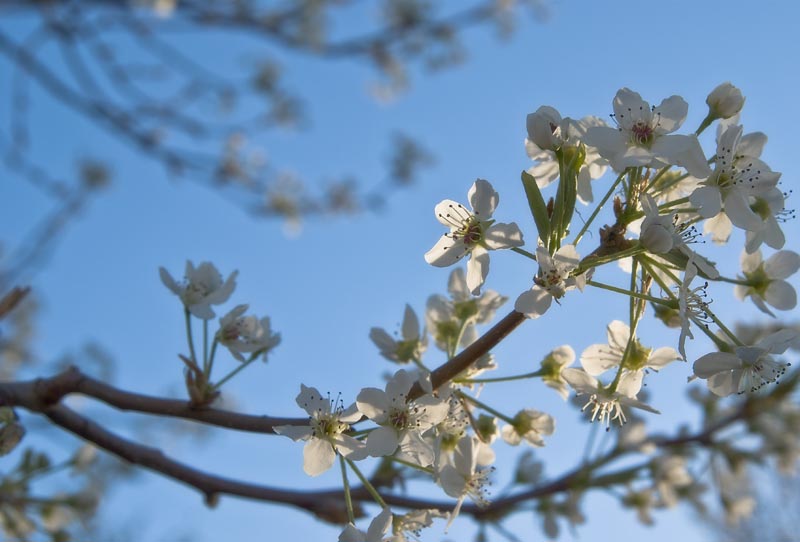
column 641, row 133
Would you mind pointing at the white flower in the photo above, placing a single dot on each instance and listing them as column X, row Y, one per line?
column 401, row 423
column 324, row 436
column 410, row 348
column 463, row 478
column 480, row 309
column 725, row 101
column 607, row 406
column 472, row 232
column 748, row 368
column 201, row 288
column 530, row 425
column 661, row 234
column 411, row 523
column 553, row 365
column 737, row 176
column 692, row 305
column 770, row 210
column 552, row 281
column 765, row 280
column 377, row 528
column 598, row 358
column 568, row 132
column 642, row 136
column 246, row 333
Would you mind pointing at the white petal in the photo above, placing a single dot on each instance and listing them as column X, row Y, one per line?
column 630, row 108
column 457, row 285
column 483, row 198
column 580, row 380
column 373, row 403
column 399, row 385
column 752, row 144
column 737, row 207
column 382, row 441
column 318, row 456
column 608, row 141
column 670, row 114
column 294, row 432
column 630, row 383
column 446, row 252
column 707, row 200
column 724, row 384
column 477, row 269
column 750, row 262
column 618, row 334
column 410, row 324
column 351, row 448
column 501, row 235
column 451, row 213
column 782, row 264
column 684, row 151
column 311, row 400
column 351, row 534
column 662, row 357
column 781, row 295
column 534, row 302
column 168, row 281
column 382, row 339
column 598, row 358
column 379, row 525
column 715, row 362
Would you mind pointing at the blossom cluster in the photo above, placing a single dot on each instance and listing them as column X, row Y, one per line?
column 667, row 196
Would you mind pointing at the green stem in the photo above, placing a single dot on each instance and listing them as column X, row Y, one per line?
column 597, row 209
column 499, row 378
column 524, row 253
column 428, row 470
column 205, row 347
column 595, row 261
column 189, row 337
column 487, row 408
column 705, row 123
column 348, row 501
column 623, row 291
column 733, row 281
column 211, row 358
column 367, row 485
column 235, row 372
column 673, row 203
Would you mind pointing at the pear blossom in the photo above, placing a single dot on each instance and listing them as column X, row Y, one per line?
column 765, row 280
column 246, row 334
column 463, row 477
column 724, row 101
column 553, row 365
column 202, row 287
column 410, row 348
column 692, row 305
column 481, row 308
column 548, row 132
column 401, row 422
column 530, row 425
column 748, row 368
column 551, row 282
column 770, row 208
column 325, row 434
column 643, row 136
column 736, row 177
column 661, row 234
column 409, row 526
column 375, row 532
column 606, row 405
column 472, row 232
column 598, row 358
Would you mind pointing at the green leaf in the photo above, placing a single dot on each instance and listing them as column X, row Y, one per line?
column 537, row 205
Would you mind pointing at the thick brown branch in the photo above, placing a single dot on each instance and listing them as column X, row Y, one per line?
column 38, row 395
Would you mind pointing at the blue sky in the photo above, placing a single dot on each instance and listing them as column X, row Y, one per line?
column 326, row 287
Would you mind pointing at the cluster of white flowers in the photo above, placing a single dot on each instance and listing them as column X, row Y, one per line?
column 667, row 190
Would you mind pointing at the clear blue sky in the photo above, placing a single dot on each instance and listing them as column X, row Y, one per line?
column 325, row 288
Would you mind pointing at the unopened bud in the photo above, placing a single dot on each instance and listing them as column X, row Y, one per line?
column 725, row 101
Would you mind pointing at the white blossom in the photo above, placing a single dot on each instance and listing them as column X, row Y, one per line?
column 410, row 347
column 748, row 368
column 325, row 435
column 766, row 284
column 551, row 282
column 643, row 136
column 606, row 405
column 246, row 334
column 472, row 232
column 725, row 101
column 202, row 287
column 529, row 425
column 377, row 528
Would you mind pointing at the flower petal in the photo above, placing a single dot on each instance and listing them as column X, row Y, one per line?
column 782, row 264
column 318, row 456
column 446, row 252
column 483, row 198
column 715, row 362
column 534, row 302
column 501, row 235
column 477, row 269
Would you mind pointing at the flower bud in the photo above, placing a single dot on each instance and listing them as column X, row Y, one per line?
column 544, row 128
column 725, row 101
column 656, row 238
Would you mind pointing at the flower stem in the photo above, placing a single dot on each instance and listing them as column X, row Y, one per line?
column 367, row 485
column 484, row 406
column 597, row 209
column 499, row 378
column 348, row 501
column 411, row 465
column 623, row 291
column 205, row 347
column 524, row 253
column 189, row 337
column 235, row 372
